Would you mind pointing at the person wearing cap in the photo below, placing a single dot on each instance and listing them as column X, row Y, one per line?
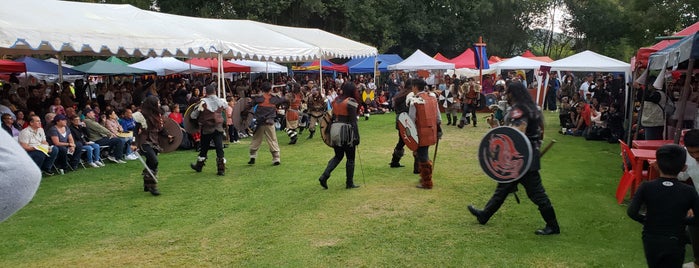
column 102, row 136
column 265, row 112
column 209, row 114
column 61, row 137
column 33, row 140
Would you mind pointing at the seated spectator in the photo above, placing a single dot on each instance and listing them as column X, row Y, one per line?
column 176, row 115
column 33, row 140
column 48, row 120
column 92, row 150
column 126, row 120
column 11, row 126
column 61, row 138
column 112, row 124
column 582, row 120
column 56, row 107
column 102, row 136
column 20, row 120
column 564, row 114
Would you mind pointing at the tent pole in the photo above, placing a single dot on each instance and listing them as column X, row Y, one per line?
column 629, row 107
column 683, row 101
column 59, row 56
column 220, row 79
column 320, row 64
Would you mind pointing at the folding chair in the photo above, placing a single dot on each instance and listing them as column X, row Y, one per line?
column 628, row 179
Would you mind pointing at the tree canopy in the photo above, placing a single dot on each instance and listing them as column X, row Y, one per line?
column 616, row 28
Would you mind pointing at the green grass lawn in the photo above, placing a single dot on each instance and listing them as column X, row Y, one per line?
column 279, row 216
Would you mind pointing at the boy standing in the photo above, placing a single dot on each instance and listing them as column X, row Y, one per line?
column 667, row 201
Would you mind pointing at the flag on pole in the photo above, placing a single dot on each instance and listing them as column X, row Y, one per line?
column 481, row 56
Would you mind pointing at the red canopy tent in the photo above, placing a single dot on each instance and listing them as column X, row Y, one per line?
column 643, row 53
column 228, row 67
column 441, row 57
column 467, row 59
column 529, row 54
column 8, row 66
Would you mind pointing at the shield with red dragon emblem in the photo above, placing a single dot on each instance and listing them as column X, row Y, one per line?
column 505, row 154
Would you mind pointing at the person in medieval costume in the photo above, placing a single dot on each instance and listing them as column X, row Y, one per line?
column 424, row 111
column 150, row 125
column 525, row 117
column 450, row 97
column 399, row 106
column 293, row 113
column 209, row 115
column 265, row 112
column 470, row 102
column 344, row 135
column 317, row 107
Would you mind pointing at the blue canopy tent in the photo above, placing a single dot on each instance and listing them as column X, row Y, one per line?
column 48, row 71
column 35, row 65
column 366, row 65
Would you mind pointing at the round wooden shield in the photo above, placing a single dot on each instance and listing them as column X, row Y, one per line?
column 505, row 154
column 190, row 125
column 325, row 121
column 241, row 117
column 175, row 131
column 408, row 131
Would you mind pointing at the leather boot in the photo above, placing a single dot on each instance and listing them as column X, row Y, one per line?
column 425, row 175
column 448, row 119
column 461, row 123
column 490, row 208
column 395, row 159
column 416, row 167
column 349, row 171
column 549, row 216
column 199, row 164
column 221, row 166
column 311, row 135
column 293, row 136
column 150, row 184
column 324, row 180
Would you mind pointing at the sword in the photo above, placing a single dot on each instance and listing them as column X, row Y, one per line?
column 145, row 165
column 546, row 149
column 434, row 157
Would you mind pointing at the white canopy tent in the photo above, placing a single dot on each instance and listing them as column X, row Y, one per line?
column 517, row 63
column 75, row 28
column 421, row 61
column 105, row 29
column 522, row 63
column 589, row 61
column 262, row 66
column 168, row 66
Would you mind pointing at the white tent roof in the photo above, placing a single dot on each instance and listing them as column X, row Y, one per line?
column 124, row 30
column 518, row 62
column 55, row 61
column 168, row 66
column 262, row 66
column 588, row 61
column 420, row 61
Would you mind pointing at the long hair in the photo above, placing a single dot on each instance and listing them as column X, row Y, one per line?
column 150, row 106
column 349, row 90
column 519, row 94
